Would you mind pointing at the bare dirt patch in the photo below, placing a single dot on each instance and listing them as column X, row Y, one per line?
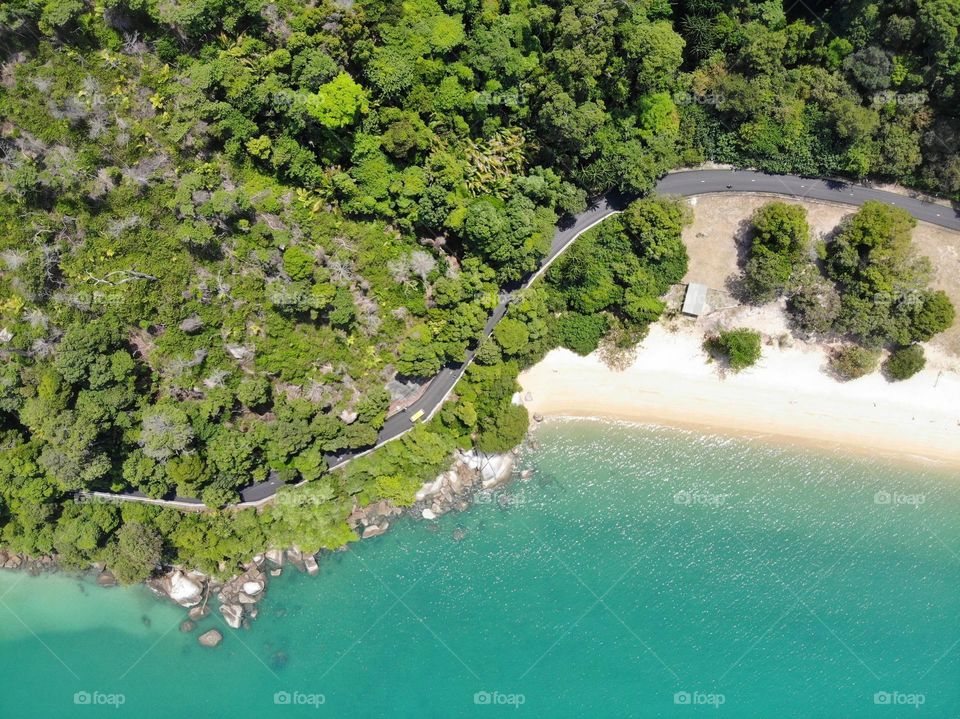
column 716, row 240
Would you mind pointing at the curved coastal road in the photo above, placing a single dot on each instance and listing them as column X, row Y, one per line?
column 685, row 183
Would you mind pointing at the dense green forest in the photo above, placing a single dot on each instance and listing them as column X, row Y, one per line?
column 227, row 225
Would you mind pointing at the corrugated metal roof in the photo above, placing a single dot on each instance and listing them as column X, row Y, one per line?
column 695, row 299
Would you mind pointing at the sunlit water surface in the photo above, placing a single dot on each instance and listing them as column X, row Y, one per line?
column 641, row 572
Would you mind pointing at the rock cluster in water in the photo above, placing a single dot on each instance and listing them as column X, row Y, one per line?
column 33, row 565
column 455, row 489
column 237, row 598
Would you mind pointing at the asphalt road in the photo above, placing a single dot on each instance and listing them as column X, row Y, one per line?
column 699, row 182
column 685, row 183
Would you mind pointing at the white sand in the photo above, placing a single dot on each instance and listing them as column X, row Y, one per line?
column 787, row 394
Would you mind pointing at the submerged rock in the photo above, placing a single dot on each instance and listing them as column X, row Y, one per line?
column 186, row 626
column 198, row 613
column 210, row 639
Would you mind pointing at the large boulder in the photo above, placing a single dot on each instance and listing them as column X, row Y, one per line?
column 252, row 587
column 191, row 324
column 310, row 564
column 184, row 590
column 375, row 530
column 493, row 468
column 233, row 614
column 295, row 555
column 431, row 488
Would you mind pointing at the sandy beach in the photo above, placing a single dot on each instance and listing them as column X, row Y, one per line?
column 787, row 394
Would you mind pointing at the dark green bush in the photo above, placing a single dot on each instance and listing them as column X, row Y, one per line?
column 904, row 363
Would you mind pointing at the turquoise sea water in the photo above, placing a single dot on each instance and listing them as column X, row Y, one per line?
column 642, row 572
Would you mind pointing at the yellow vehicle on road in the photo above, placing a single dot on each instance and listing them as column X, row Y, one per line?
column 416, row 416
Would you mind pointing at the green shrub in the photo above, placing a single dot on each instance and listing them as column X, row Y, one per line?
column 904, row 363
column 504, row 431
column 815, row 305
column 853, row 361
column 580, row 333
column 740, row 348
column 780, row 238
column 936, row 315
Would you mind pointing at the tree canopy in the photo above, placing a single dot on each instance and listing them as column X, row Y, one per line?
column 227, row 227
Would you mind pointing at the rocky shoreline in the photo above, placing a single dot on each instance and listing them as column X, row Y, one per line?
column 22, row 562
column 455, row 490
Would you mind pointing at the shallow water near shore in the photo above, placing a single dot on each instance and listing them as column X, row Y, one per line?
column 642, row 572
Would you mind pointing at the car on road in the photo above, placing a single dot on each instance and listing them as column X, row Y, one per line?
column 416, row 416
